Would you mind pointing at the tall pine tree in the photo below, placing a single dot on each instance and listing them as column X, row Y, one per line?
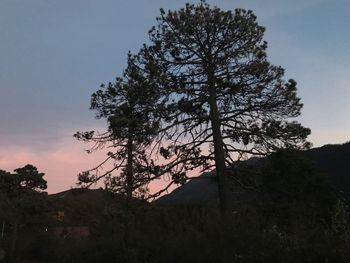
column 224, row 99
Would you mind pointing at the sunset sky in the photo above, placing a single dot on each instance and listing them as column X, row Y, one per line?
column 54, row 54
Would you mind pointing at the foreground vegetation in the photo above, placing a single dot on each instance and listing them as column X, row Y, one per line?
column 195, row 234
column 297, row 216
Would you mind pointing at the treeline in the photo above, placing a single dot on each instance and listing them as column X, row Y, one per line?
column 296, row 216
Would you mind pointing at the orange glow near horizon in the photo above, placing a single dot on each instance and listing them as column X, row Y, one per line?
column 62, row 163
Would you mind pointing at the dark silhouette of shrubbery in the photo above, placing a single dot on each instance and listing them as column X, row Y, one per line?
column 300, row 217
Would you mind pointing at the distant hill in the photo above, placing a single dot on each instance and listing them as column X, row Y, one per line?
column 199, row 190
column 333, row 160
column 91, row 196
column 80, row 206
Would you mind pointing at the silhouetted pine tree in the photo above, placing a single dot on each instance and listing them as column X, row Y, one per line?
column 221, row 91
column 128, row 106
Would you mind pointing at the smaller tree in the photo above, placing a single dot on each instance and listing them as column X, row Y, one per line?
column 23, row 198
column 16, row 188
column 128, row 105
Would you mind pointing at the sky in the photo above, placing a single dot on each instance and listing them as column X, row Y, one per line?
column 55, row 54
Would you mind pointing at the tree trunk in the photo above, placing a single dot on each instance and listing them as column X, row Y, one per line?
column 3, row 229
column 13, row 241
column 129, row 169
column 220, row 166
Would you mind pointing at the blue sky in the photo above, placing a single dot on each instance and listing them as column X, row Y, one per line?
column 54, row 54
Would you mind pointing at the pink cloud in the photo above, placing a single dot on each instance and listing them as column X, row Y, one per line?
column 61, row 163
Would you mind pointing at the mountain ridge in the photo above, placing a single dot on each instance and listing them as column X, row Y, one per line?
column 330, row 159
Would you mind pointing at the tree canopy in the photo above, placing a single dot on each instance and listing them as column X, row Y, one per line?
column 22, row 199
column 224, row 99
column 205, row 92
column 25, row 180
column 128, row 105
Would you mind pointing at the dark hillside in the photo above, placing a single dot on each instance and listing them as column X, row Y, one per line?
column 202, row 190
column 80, row 206
column 332, row 160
